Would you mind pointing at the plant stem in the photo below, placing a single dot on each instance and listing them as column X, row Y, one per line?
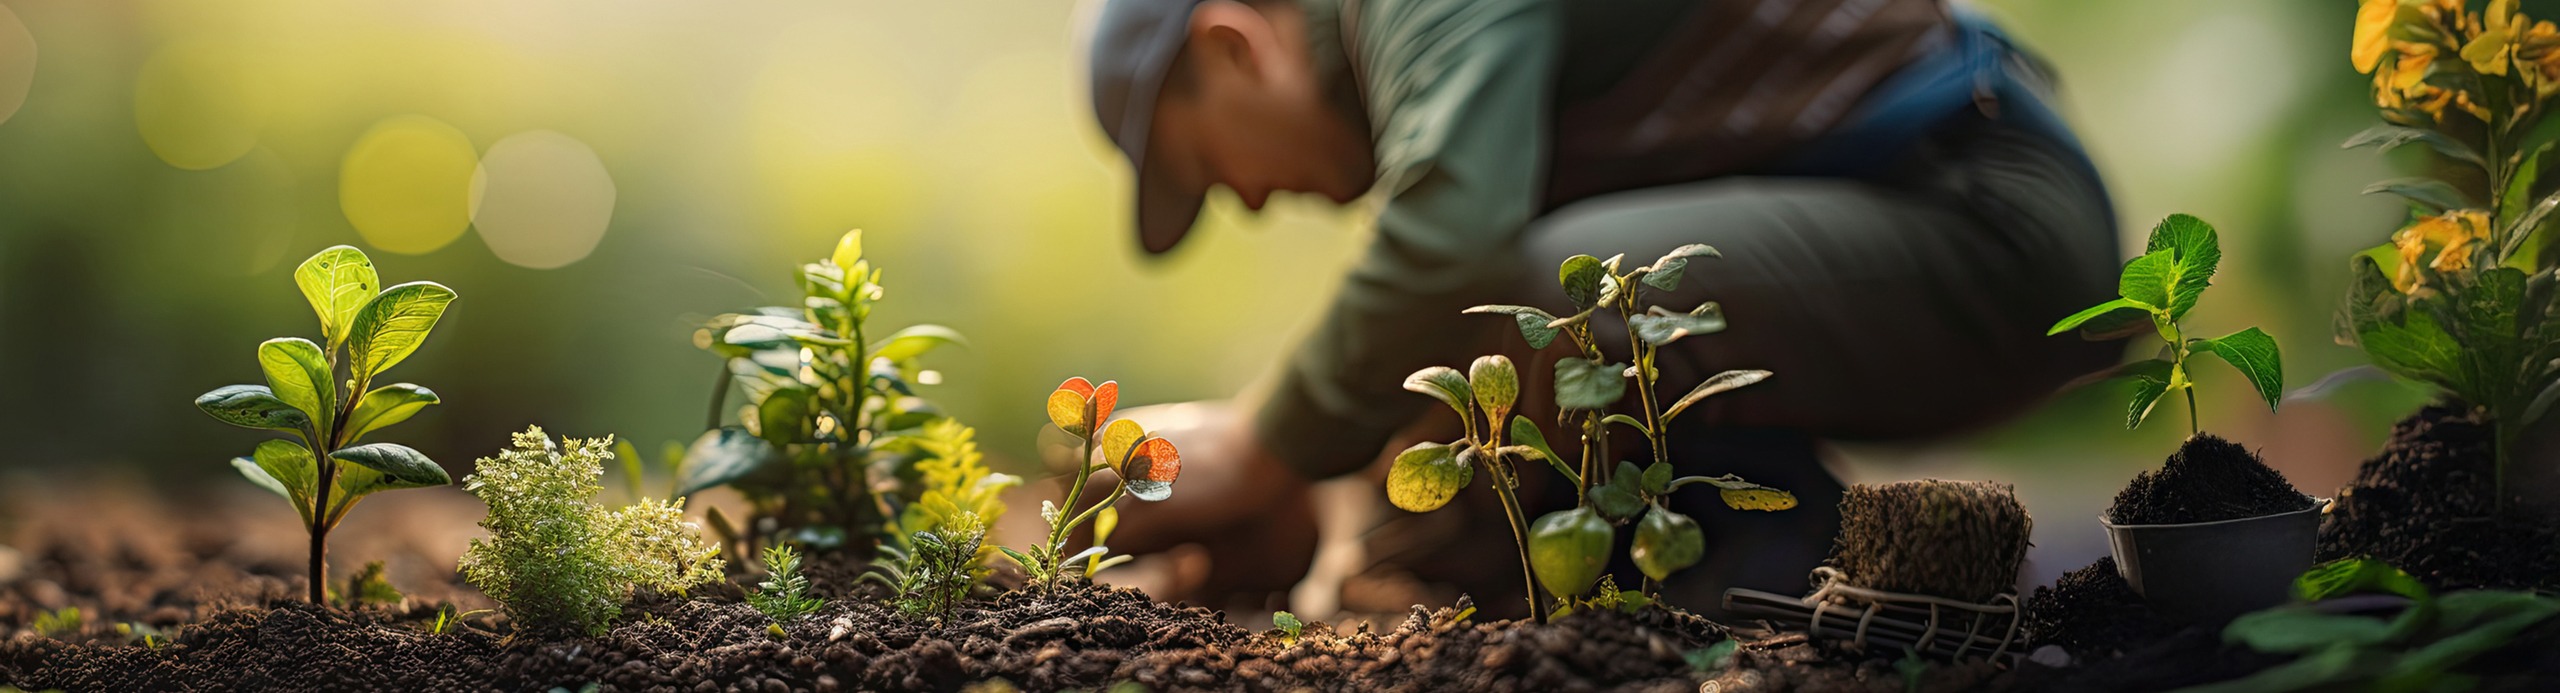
column 2194, row 419
column 1503, row 482
column 719, row 396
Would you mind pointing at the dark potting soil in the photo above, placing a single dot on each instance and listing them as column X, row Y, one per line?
column 2092, row 613
column 2208, row 479
column 2427, row 504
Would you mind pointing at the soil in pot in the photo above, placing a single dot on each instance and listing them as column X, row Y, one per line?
column 2426, row 504
column 2207, row 480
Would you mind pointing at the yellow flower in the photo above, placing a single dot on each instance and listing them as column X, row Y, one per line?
column 2491, row 46
column 2452, row 235
column 2373, row 33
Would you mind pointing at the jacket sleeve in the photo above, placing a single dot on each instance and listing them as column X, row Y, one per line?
column 1459, row 94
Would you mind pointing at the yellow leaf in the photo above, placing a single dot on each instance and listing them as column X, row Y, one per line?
column 1757, row 498
column 1067, row 410
column 1118, row 438
column 848, row 249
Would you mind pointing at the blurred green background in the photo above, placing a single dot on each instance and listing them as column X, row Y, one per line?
column 644, row 164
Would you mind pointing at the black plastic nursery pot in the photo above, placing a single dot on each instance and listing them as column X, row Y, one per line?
column 2206, row 572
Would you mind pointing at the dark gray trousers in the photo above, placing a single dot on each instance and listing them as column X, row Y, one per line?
column 1907, row 305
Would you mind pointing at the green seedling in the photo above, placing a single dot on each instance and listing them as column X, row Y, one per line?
column 365, row 330
column 1289, row 625
column 784, row 593
column 58, row 622
column 830, row 403
column 2159, row 288
column 1912, row 668
column 956, row 488
column 1712, row 657
column 368, row 587
column 1566, row 551
column 142, row 634
column 446, row 620
column 1143, row 465
column 937, row 568
column 557, row 562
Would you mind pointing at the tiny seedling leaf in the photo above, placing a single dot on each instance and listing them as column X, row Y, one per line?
column 1496, row 383
column 1445, row 384
column 1425, row 476
column 398, row 466
column 2148, row 279
column 2197, row 255
column 337, row 282
column 1627, row 421
column 1656, row 478
column 1659, row 326
column 1580, row 276
column 2254, row 354
column 252, row 406
column 1666, row 542
column 1714, row 385
column 392, row 326
column 2151, row 380
column 915, row 340
column 298, row 373
column 387, row 405
column 2130, row 306
column 1584, row 384
column 288, row 466
column 848, row 249
column 1526, row 434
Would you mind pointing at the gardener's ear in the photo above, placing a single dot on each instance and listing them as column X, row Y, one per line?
column 1231, row 39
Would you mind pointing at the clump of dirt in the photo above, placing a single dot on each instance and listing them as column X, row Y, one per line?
column 1955, row 539
column 1589, row 650
column 2427, row 505
column 2208, row 479
column 1792, row 662
column 2093, row 613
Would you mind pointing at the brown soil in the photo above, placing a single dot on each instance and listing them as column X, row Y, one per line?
column 2092, row 613
column 2426, row 504
column 2208, row 479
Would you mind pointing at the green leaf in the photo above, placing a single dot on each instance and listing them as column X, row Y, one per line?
column 1714, row 385
column 2151, row 380
column 2407, row 343
column 1711, row 657
column 1628, row 421
column 1621, row 498
column 2433, row 194
column 1532, row 321
column 2083, row 317
column 783, row 417
column 298, row 373
column 914, row 341
column 2355, row 576
column 1584, row 384
column 2387, row 137
column 248, row 469
column 1580, row 276
column 1665, row 273
column 1445, row 384
column 1568, row 549
column 399, row 465
column 1656, row 479
column 252, row 406
column 387, row 405
column 1659, row 326
column 2148, row 279
column 1425, row 476
column 2299, row 629
column 1666, row 542
column 1526, row 434
column 291, row 467
column 337, row 281
column 721, row 456
column 2197, row 253
column 848, row 249
column 1496, row 383
column 393, row 325
column 2254, row 354
column 1739, row 494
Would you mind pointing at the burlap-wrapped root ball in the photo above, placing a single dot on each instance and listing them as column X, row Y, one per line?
column 1954, row 539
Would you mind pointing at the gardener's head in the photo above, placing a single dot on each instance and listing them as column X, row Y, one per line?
column 1201, row 93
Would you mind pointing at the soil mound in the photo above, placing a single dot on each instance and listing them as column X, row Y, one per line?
column 2426, row 504
column 1955, row 539
column 2207, row 480
column 2093, row 613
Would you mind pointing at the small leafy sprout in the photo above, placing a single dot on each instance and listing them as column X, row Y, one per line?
column 936, row 570
column 1711, row 657
column 784, row 593
column 446, row 619
column 1426, row 476
column 1568, row 549
column 1606, row 595
column 58, row 622
column 364, row 330
column 831, row 401
column 2176, row 265
column 555, row 560
column 956, row 485
column 1145, row 466
column 1289, row 625
column 1911, row 667
column 142, row 634
column 368, row 587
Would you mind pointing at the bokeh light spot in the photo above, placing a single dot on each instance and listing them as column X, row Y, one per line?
column 17, row 63
column 199, row 105
column 541, row 199
column 406, row 184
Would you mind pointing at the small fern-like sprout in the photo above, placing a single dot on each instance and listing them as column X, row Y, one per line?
column 940, row 566
column 784, row 594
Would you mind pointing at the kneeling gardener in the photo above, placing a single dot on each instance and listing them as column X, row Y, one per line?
column 1900, row 212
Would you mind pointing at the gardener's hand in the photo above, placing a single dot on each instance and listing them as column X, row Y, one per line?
column 1248, row 511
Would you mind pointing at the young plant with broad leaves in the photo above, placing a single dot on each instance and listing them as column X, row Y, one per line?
column 1142, row 466
column 322, row 393
column 2463, row 297
column 821, row 449
column 2156, row 290
column 1567, row 550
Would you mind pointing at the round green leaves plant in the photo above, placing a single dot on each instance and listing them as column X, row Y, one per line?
column 322, row 392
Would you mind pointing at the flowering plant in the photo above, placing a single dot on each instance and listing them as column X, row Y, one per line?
column 2461, row 295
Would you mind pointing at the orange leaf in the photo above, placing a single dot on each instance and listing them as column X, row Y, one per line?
column 1155, row 460
column 1105, row 397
